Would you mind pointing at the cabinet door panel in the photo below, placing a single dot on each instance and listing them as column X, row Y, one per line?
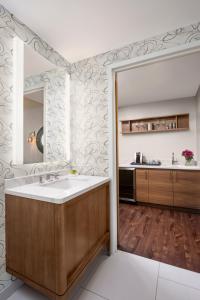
column 187, row 189
column 142, row 185
column 30, row 240
column 161, row 187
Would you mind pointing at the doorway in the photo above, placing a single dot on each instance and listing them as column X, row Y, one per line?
column 145, row 213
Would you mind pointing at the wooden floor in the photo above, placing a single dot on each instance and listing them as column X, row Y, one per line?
column 168, row 236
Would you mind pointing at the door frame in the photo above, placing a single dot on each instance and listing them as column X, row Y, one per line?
column 113, row 69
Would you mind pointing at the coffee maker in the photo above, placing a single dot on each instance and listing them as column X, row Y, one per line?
column 138, row 158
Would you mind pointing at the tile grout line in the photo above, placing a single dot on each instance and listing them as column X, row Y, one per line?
column 157, row 281
column 95, row 293
column 183, row 284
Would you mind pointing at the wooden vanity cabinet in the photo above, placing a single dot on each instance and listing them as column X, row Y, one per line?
column 49, row 245
column 142, row 185
column 187, row 189
column 161, row 187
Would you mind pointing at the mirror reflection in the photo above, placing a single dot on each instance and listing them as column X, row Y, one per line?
column 33, row 123
column 36, row 69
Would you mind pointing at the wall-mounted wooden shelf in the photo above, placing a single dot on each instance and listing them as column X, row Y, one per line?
column 157, row 124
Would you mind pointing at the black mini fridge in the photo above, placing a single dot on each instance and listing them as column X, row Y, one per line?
column 127, row 184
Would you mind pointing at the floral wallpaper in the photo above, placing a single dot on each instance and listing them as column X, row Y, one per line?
column 6, row 112
column 10, row 27
column 89, row 104
column 89, row 96
column 54, row 83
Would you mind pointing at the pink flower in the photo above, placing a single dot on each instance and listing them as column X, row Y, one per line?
column 188, row 154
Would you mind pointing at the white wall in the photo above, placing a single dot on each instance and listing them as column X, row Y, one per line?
column 33, row 121
column 158, row 145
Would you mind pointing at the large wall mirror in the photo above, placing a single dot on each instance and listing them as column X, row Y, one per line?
column 42, row 107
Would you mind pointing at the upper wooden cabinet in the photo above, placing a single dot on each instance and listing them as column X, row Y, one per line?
column 187, row 189
column 161, row 187
column 142, row 185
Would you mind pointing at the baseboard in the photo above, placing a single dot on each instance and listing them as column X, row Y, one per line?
column 15, row 285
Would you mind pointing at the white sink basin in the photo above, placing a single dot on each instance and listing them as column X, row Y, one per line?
column 66, row 183
column 59, row 191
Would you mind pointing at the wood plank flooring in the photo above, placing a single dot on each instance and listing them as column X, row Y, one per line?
column 168, row 236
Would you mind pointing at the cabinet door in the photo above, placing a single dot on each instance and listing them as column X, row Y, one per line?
column 142, row 185
column 187, row 189
column 161, row 187
column 30, row 240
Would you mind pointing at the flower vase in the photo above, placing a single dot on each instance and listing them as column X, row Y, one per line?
column 188, row 162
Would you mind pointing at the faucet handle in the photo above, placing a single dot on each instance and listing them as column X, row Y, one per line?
column 57, row 176
column 41, row 179
column 48, row 176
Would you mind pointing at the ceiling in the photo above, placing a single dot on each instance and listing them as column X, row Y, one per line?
column 165, row 80
column 82, row 28
column 34, row 63
column 36, row 96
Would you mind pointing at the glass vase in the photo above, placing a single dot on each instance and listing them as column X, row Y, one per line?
column 188, row 162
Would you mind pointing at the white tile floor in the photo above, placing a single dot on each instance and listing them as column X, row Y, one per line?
column 125, row 276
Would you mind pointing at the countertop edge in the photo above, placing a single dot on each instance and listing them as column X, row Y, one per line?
column 184, row 168
column 56, row 200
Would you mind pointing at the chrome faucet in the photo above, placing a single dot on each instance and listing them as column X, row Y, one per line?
column 174, row 161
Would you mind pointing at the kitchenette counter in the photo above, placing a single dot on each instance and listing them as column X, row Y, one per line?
column 167, row 167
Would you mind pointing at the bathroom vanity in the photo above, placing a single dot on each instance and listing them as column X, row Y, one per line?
column 53, row 231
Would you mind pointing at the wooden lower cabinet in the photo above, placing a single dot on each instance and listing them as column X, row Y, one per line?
column 142, row 185
column 187, row 189
column 49, row 245
column 161, row 187
column 168, row 187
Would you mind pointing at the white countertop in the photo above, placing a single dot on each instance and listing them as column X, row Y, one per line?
column 171, row 167
column 59, row 191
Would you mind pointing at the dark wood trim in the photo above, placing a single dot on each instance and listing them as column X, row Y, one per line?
column 117, row 153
